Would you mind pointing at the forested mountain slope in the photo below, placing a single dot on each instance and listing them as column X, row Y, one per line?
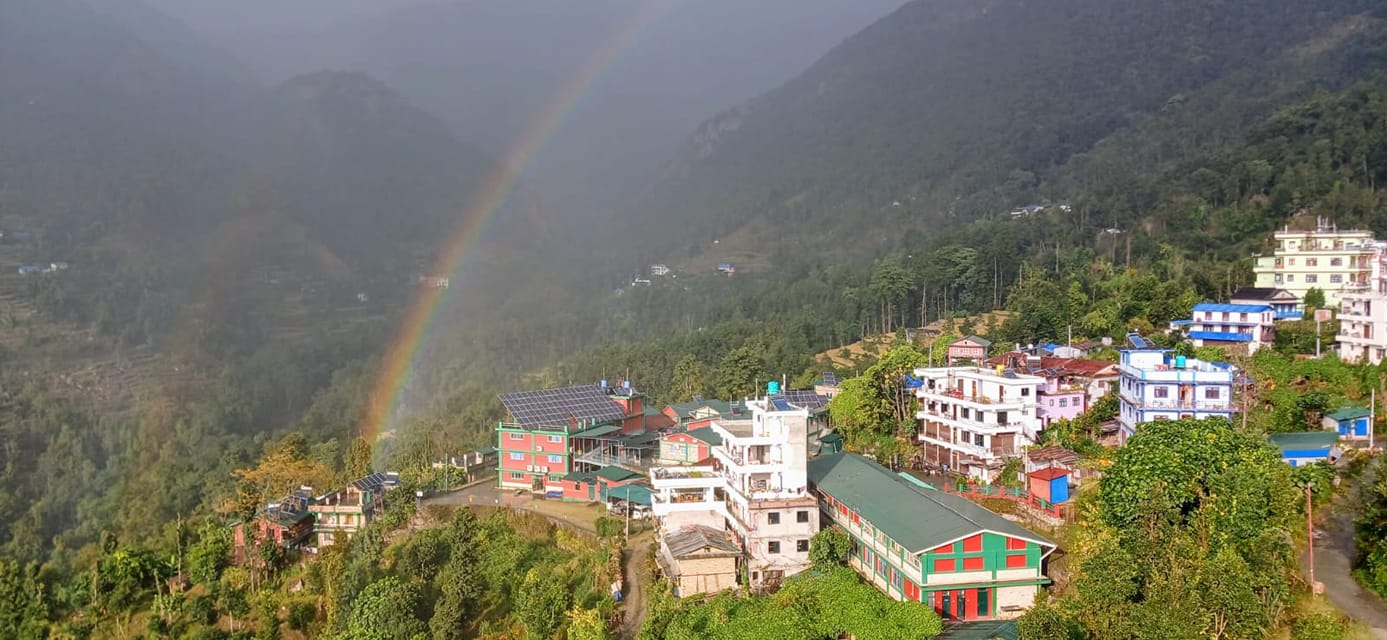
column 948, row 110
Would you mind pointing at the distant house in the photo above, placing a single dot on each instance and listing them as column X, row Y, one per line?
column 699, row 559
column 57, row 266
column 1238, row 325
column 659, row 270
column 1299, row 449
column 287, row 523
column 342, row 513
column 640, row 282
column 1026, row 210
column 433, row 282
column 1283, row 303
column 1349, row 422
column 727, row 268
column 971, row 348
column 1051, row 484
column 700, row 413
column 827, row 386
column 29, row 269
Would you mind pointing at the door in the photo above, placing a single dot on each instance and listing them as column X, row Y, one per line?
column 591, row 492
column 946, row 601
column 960, row 605
column 984, row 604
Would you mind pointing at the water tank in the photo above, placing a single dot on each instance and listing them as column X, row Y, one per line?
column 604, row 383
column 626, row 383
column 773, row 388
column 1179, row 362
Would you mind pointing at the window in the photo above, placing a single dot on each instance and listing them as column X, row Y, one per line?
column 1292, row 262
column 801, row 545
column 1336, row 278
column 1001, row 417
column 943, row 565
column 1225, row 316
column 577, row 486
column 517, row 436
column 978, row 440
column 1290, row 277
column 556, row 459
column 1015, row 543
column 1312, row 278
column 973, row 564
column 972, row 544
column 555, row 439
column 1161, row 392
column 773, row 546
column 948, row 548
column 1211, row 393
column 1025, row 391
column 801, row 516
column 1278, row 278
column 1064, row 402
column 773, row 517
column 1336, row 262
column 516, row 475
column 517, row 456
column 1312, row 262
column 1242, row 317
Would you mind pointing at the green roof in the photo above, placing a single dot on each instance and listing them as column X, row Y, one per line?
column 630, row 493
column 580, row 476
column 597, row 431
column 916, row 518
column 1303, row 440
column 1348, row 413
column 616, row 474
column 707, row 435
column 683, row 409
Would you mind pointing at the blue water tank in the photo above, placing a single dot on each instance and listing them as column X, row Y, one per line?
column 773, row 388
column 1179, row 362
column 604, row 383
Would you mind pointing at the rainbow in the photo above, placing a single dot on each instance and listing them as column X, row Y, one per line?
column 403, row 353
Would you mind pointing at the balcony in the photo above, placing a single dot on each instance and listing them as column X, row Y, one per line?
column 993, row 402
column 1205, row 373
column 685, row 478
column 1173, row 404
column 988, row 428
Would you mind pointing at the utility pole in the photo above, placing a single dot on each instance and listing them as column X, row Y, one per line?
column 1310, row 526
column 1372, row 418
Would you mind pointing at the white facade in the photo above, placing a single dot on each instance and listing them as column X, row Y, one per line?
column 1157, row 385
column 1216, row 324
column 759, row 490
column 1363, row 316
column 972, row 419
column 1327, row 259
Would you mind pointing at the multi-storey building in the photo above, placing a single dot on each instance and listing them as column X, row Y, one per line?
column 1252, row 326
column 1325, row 258
column 1071, row 384
column 1284, row 304
column 928, row 546
column 547, row 429
column 972, row 419
column 756, row 489
column 1158, row 385
column 342, row 513
column 1363, row 316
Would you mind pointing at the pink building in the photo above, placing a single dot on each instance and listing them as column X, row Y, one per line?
column 1071, row 384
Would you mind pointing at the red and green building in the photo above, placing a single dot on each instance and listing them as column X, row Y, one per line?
column 545, row 431
column 916, row 543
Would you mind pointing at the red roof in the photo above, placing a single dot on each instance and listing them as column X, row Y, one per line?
column 1053, row 453
column 659, row 421
column 1049, row 473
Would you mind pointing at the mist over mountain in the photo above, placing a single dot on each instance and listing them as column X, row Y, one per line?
column 489, row 69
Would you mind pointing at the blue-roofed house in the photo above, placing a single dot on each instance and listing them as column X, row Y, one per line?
column 1349, row 422
column 1300, row 449
column 1225, row 324
column 1284, row 304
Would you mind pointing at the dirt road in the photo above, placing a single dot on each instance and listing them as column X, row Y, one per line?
column 1334, row 553
column 634, row 577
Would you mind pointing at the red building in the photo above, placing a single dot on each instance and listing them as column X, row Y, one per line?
column 287, row 523
column 547, row 429
column 971, row 348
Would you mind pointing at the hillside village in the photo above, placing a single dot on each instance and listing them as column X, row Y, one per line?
column 738, row 492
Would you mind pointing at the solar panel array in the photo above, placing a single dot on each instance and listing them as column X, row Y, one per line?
column 374, row 482
column 830, row 378
column 554, row 407
column 804, row 399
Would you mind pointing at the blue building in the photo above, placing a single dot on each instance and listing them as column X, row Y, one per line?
column 1156, row 384
column 1349, row 422
column 1300, row 449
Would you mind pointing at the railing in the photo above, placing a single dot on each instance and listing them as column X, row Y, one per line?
column 1020, row 496
column 1200, row 405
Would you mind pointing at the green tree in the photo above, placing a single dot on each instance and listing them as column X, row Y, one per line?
column 587, row 624
column 460, row 588
column 738, row 373
column 208, row 556
column 830, row 547
column 1314, row 299
column 359, row 456
column 24, row 604
column 688, row 378
column 387, row 608
column 541, row 603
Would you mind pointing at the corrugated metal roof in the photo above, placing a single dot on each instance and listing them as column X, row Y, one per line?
column 630, row 493
column 1303, row 440
column 1348, row 413
column 1232, row 308
column 917, row 519
column 616, row 474
column 690, row 541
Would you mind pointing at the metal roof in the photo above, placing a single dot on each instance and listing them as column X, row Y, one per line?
column 597, row 431
column 707, row 435
column 588, row 404
column 1221, row 336
column 917, row 519
column 616, row 474
column 696, row 538
column 1348, row 413
column 1303, row 440
column 1232, row 308
column 630, row 493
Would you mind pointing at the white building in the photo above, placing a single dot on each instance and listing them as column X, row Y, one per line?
column 1326, row 258
column 1218, row 324
column 1363, row 316
column 1157, row 385
column 758, row 490
column 659, row 270
column 972, row 419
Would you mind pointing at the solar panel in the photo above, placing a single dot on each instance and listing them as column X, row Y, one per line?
column 830, row 378
column 555, row 407
column 1137, row 341
column 802, row 398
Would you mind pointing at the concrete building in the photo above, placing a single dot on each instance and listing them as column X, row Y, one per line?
column 1158, row 385
column 342, row 513
column 550, row 433
column 1284, row 305
column 699, row 559
column 973, row 419
column 1363, row 316
column 922, row 545
column 1326, row 258
column 1071, row 384
column 755, row 489
column 1250, row 326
